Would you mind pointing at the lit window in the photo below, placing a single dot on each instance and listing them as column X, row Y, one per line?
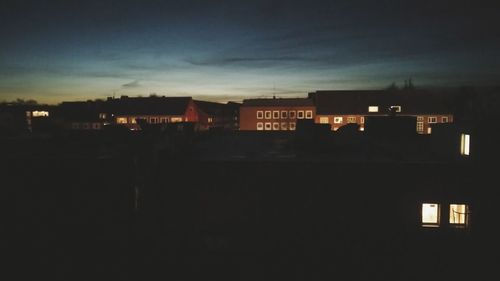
column 429, row 130
column 284, row 126
column 444, row 119
column 260, row 126
column 40, row 113
column 420, row 127
column 292, row 126
column 267, row 126
column 292, row 114
column 268, row 114
column 260, row 114
column 300, row 114
column 121, row 120
column 28, row 114
column 276, row 115
column 276, row 126
column 373, row 108
column 362, row 120
column 465, row 144
column 309, row 114
column 284, row 114
column 337, row 120
column 153, row 120
column 164, row 120
column 420, row 118
column 432, row 119
column 459, row 214
column 351, row 119
column 397, row 108
column 102, row 115
column 430, row 214
column 133, row 120
column 175, row 119
column 324, row 120
column 210, row 120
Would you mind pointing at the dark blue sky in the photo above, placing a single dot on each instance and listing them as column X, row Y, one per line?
column 226, row 50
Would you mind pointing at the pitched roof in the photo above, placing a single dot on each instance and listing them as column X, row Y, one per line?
column 149, row 105
column 357, row 102
column 278, row 102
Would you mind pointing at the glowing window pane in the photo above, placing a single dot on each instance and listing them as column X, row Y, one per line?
column 373, row 108
column 465, row 144
column 121, row 120
column 430, row 213
column 324, row 120
column 458, row 213
column 40, row 113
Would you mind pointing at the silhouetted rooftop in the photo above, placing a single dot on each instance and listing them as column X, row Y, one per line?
column 149, row 105
column 278, row 102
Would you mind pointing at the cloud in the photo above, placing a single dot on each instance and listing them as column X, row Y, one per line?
column 133, row 84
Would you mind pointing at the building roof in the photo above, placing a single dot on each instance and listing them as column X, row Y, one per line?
column 149, row 105
column 215, row 108
column 279, row 102
column 357, row 102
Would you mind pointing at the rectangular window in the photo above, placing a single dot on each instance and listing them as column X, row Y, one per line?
column 292, row 126
column 465, row 144
column 268, row 114
column 396, row 108
column 153, row 120
column 430, row 214
column 40, row 114
column 373, row 108
column 260, row 114
column 276, row 126
column 337, row 120
column 351, row 119
column 121, row 120
column 292, row 114
column 102, row 115
column 324, row 120
column 284, row 126
column 362, row 120
column 260, row 126
column 420, row 127
column 276, row 115
column 309, row 114
column 300, row 114
column 284, row 114
column 175, row 119
column 432, row 119
column 458, row 214
column 267, row 126
column 444, row 119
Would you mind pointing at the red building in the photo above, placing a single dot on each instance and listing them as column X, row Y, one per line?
column 275, row 114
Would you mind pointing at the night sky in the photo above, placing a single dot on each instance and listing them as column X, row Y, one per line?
column 225, row 50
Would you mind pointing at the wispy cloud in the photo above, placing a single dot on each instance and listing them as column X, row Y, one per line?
column 133, row 84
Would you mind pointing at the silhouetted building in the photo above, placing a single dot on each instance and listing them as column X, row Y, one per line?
column 221, row 116
column 85, row 115
column 275, row 114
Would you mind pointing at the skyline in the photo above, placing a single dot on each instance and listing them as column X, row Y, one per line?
column 78, row 50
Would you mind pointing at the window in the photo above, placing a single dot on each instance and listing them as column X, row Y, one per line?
column 284, row 114
column 324, row 120
column 175, row 119
column 153, row 120
column 309, row 114
column 459, row 214
column 292, row 126
column 430, row 214
column 260, row 126
column 351, row 119
column 276, row 115
column 465, row 144
column 260, row 114
column 267, row 126
column 276, row 126
column 133, row 120
column 420, row 118
column 268, row 114
column 121, row 120
column 102, row 115
column 163, row 120
column 420, row 127
column 292, row 114
column 300, row 114
column 284, row 126
column 96, row 126
column 397, row 108
column 373, row 108
column 362, row 120
column 210, row 120
column 444, row 119
column 432, row 119
column 337, row 120
column 429, row 130
column 40, row 113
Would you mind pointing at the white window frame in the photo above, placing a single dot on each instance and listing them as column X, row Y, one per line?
column 427, row 223
column 444, row 119
column 300, row 114
column 397, row 107
column 260, row 126
column 338, row 120
column 420, row 127
column 351, row 119
column 268, row 126
column 309, row 114
column 292, row 126
column 465, row 144
column 260, row 114
column 324, row 120
column 373, row 108
column 362, row 120
column 276, row 114
column 292, row 114
column 432, row 119
column 420, row 118
column 268, row 114
column 463, row 217
column 284, row 126
column 276, row 126
column 284, row 114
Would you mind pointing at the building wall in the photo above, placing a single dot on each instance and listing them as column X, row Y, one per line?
column 251, row 121
column 423, row 123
